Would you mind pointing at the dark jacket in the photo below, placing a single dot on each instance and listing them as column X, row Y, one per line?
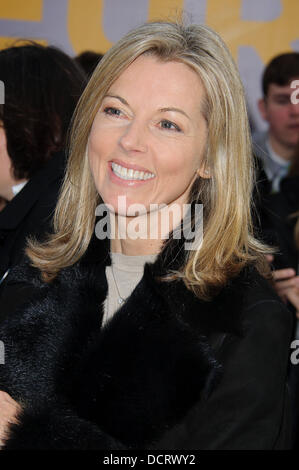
column 169, row 371
column 30, row 212
column 277, row 226
column 277, row 229
column 262, row 186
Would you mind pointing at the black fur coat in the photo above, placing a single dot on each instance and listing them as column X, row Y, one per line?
column 168, row 371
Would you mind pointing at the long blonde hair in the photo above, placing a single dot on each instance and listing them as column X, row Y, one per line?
column 228, row 243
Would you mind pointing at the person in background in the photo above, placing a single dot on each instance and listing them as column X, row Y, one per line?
column 129, row 342
column 275, row 148
column 42, row 87
column 279, row 227
column 279, row 219
column 88, row 60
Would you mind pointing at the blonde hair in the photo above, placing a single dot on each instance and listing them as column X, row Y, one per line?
column 228, row 243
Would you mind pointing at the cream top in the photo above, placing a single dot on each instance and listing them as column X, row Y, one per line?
column 123, row 276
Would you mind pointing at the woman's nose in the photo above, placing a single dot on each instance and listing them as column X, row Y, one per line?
column 134, row 137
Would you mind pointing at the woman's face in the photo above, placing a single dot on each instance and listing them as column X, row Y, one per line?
column 148, row 137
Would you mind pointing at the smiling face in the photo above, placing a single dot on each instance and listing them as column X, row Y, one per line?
column 148, row 137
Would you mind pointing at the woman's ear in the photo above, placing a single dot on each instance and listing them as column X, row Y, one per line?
column 203, row 172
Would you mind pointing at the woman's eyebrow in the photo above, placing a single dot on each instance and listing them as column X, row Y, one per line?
column 178, row 110
column 161, row 110
column 122, row 100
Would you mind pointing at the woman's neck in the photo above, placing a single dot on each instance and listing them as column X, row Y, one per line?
column 132, row 236
column 136, row 247
column 146, row 233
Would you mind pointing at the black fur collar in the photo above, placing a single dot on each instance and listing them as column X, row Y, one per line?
column 207, row 314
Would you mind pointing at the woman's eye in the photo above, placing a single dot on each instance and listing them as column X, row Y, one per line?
column 170, row 126
column 112, row 111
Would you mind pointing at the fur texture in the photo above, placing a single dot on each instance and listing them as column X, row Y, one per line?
column 123, row 385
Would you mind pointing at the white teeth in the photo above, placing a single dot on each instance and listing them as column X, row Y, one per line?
column 130, row 174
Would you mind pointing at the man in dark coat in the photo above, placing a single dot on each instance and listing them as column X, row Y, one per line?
column 42, row 88
column 276, row 148
column 278, row 216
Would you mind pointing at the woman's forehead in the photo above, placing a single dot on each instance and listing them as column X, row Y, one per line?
column 148, row 77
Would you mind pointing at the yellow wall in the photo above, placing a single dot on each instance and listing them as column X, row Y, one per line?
column 84, row 23
column 268, row 38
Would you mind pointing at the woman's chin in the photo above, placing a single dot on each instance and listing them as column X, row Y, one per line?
column 125, row 207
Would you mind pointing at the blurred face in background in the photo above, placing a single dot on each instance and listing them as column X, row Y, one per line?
column 283, row 118
column 148, row 137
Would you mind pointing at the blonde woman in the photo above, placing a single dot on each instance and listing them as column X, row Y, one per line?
column 117, row 341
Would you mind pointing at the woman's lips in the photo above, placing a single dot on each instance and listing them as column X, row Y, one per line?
column 130, row 166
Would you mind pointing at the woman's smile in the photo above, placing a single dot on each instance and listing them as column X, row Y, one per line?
column 128, row 174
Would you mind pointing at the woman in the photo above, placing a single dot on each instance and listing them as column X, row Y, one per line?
column 42, row 87
column 191, row 349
